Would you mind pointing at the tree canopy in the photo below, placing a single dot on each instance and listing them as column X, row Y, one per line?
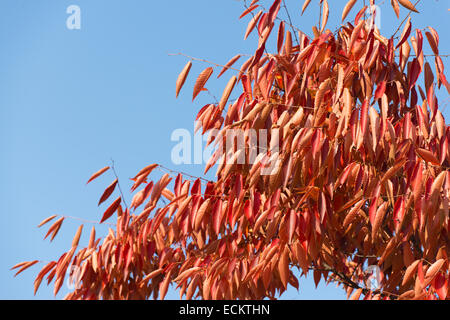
column 355, row 173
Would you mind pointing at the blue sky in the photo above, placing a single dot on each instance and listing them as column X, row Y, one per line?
column 70, row 100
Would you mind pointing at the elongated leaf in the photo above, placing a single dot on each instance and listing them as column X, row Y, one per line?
column 111, row 209
column 54, row 228
column 252, row 24
column 405, row 34
column 147, row 170
column 396, row 7
column 410, row 271
column 107, row 193
column 248, row 10
column 408, row 5
column 201, row 81
column 283, row 267
column 434, row 269
column 325, row 13
column 227, row 92
column 305, row 5
column 182, row 78
column 46, row 220
column 428, row 156
column 76, row 238
column 23, row 266
column 229, row 64
column 347, row 8
column 432, row 42
column 98, row 173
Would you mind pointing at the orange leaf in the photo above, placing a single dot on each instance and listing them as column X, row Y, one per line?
column 283, row 267
column 433, row 270
column 305, row 5
column 428, row 156
column 200, row 214
column 54, row 228
column 165, row 285
column 248, row 10
column 201, row 81
column 325, row 14
column 410, row 272
column 46, row 220
column 41, row 275
column 353, row 213
column 438, row 183
column 227, row 92
column 24, row 266
column 347, row 8
column 379, row 216
column 357, row 294
column 408, row 5
column 147, row 170
column 92, row 238
column 396, row 7
column 182, row 77
column 152, row 274
column 229, row 64
column 76, row 239
column 252, row 24
column 98, row 173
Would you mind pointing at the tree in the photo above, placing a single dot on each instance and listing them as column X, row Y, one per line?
column 354, row 172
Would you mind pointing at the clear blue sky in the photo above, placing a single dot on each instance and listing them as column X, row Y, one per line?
column 70, row 100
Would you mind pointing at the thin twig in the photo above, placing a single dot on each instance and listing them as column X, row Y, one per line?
column 320, row 16
column 118, row 184
column 203, row 60
column 290, row 22
column 183, row 173
column 407, row 16
column 85, row 221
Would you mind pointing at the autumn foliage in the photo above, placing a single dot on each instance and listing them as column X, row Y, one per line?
column 363, row 177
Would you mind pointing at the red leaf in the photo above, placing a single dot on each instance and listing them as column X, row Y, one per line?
column 248, row 210
column 413, row 73
column 111, row 209
column 364, row 113
column 292, row 224
column 405, row 34
column 381, row 89
column 440, row 285
column 108, row 192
